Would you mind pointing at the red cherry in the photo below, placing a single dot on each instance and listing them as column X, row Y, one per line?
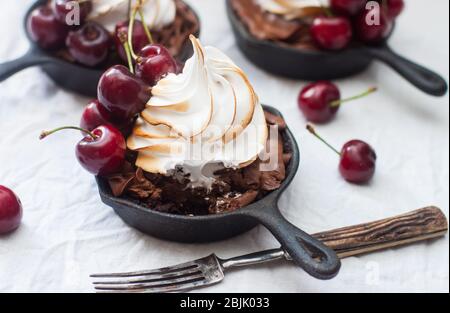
column 101, row 151
column 45, row 30
column 153, row 63
column 373, row 26
column 347, row 7
column 140, row 39
column 320, row 101
column 395, row 8
column 357, row 159
column 64, row 8
column 358, row 162
column 332, row 33
column 10, row 210
column 95, row 115
column 90, row 44
column 315, row 101
column 123, row 94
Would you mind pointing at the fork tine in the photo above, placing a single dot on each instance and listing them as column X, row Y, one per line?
column 151, row 278
column 160, row 271
column 173, row 284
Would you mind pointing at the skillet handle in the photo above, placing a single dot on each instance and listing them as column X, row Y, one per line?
column 31, row 58
column 307, row 252
column 421, row 77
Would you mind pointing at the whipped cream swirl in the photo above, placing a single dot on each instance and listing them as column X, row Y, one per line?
column 204, row 119
column 292, row 9
column 157, row 13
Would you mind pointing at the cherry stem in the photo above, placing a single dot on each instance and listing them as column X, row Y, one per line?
column 128, row 52
column 337, row 103
column 45, row 134
column 130, row 32
column 327, row 10
column 144, row 24
column 313, row 131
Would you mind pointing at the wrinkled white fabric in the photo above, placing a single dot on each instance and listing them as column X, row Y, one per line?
column 67, row 233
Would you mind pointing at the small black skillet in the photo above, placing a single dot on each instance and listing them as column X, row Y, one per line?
column 300, row 246
column 70, row 76
column 318, row 65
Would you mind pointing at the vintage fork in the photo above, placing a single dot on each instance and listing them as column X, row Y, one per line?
column 424, row 224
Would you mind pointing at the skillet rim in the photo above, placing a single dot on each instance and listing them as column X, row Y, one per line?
column 292, row 170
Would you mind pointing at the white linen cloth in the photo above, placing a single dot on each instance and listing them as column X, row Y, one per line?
column 67, row 233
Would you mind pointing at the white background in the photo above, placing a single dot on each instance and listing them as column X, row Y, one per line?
column 67, row 233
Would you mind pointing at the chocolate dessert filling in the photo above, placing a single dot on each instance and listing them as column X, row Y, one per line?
column 268, row 26
column 232, row 190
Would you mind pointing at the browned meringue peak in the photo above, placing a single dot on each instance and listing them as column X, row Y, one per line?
column 209, row 114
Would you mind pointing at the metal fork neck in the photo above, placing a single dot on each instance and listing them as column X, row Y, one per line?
column 254, row 258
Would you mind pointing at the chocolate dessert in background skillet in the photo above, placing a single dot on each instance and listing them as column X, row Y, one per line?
column 302, row 40
column 87, row 49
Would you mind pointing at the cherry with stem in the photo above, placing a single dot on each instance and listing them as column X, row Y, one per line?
column 101, row 151
column 357, row 159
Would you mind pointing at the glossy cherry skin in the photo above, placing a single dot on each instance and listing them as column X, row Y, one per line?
column 103, row 155
column 154, row 62
column 95, row 115
column 90, row 44
column 376, row 33
column 347, row 7
column 140, row 39
column 358, row 162
column 315, row 101
column 45, row 29
column 10, row 210
column 395, row 8
column 332, row 33
column 123, row 94
column 63, row 9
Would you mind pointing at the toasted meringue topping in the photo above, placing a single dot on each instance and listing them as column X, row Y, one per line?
column 205, row 118
column 291, row 9
column 157, row 13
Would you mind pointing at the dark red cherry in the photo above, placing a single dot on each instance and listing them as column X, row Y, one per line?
column 315, row 101
column 320, row 101
column 395, row 8
column 140, row 39
column 45, row 29
column 90, row 44
column 153, row 63
column 332, row 33
column 123, row 94
column 10, row 210
column 373, row 26
column 95, row 115
column 71, row 12
column 357, row 159
column 358, row 162
column 101, row 151
column 347, row 7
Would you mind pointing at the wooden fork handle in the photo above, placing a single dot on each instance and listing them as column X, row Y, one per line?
column 419, row 225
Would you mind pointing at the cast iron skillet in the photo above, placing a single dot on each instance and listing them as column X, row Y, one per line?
column 317, row 65
column 70, row 76
column 198, row 229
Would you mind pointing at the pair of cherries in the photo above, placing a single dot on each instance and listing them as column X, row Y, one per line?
column 122, row 94
column 336, row 32
column 320, row 102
